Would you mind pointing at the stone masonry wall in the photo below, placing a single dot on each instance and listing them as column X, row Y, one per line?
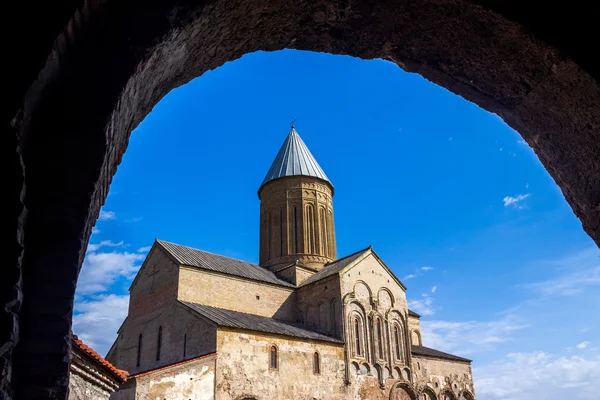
column 190, row 380
column 236, row 294
column 180, row 328
column 85, row 388
column 319, row 305
column 440, row 375
column 155, row 284
column 243, row 368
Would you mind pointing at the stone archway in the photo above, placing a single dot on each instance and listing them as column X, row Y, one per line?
column 402, row 392
column 69, row 120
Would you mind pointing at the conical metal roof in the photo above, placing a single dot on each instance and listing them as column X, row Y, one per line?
column 294, row 159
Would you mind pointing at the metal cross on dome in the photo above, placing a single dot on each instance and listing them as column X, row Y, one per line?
column 292, row 123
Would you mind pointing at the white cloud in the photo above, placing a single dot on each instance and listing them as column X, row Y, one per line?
column 433, row 289
column 106, row 215
column 134, row 219
column 97, row 320
column 95, row 231
column 514, row 201
column 521, row 141
column 583, row 345
column 426, row 268
column 409, row 277
column 423, row 306
column 95, row 246
column 538, row 375
column 570, row 284
column 144, row 249
column 469, row 337
column 527, row 186
column 100, row 270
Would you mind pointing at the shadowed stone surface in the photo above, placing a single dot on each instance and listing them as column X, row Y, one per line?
column 114, row 61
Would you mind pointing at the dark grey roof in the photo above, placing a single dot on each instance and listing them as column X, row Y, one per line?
column 214, row 262
column 334, row 267
column 413, row 314
column 240, row 320
column 427, row 352
column 293, row 159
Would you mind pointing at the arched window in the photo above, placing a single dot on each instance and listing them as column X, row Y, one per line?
column 310, row 224
column 158, row 343
column 324, row 238
column 281, row 231
column 295, row 231
column 274, row 364
column 316, row 363
column 357, row 336
column 379, row 340
column 139, row 352
column 397, row 342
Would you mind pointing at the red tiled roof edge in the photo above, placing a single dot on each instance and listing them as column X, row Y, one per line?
column 150, row 371
column 119, row 374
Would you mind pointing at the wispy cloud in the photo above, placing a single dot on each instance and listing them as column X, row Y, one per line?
column 95, row 231
column 426, row 268
column 514, row 202
column 433, row 289
column 97, row 320
column 423, row 306
column 583, row 345
column 470, row 336
column 538, row 375
column 105, row 243
column 106, row 215
column 521, row 141
column 144, row 249
column 410, row 276
column 134, row 219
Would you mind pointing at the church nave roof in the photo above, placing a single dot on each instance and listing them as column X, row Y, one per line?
column 252, row 322
column 226, row 265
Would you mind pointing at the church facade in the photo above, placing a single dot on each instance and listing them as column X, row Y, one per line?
column 303, row 324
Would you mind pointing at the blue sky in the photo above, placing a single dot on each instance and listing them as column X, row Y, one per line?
column 451, row 198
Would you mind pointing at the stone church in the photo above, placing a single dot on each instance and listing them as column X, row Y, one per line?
column 303, row 324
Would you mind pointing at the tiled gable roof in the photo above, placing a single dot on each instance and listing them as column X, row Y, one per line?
column 117, row 373
column 225, row 265
column 251, row 322
column 334, row 267
column 427, row 352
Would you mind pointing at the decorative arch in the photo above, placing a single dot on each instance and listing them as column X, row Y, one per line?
column 466, row 395
column 365, row 369
column 362, row 291
column 428, row 394
column 447, row 395
column 415, row 338
column 406, row 374
column 386, row 298
column 354, row 368
column 402, row 391
column 335, row 315
column 323, row 316
column 397, row 373
column 357, row 334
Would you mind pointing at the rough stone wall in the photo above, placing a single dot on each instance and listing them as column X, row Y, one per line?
column 155, row 284
column 179, row 326
column 311, row 239
column 441, row 375
column 414, row 327
column 191, row 380
column 252, row 297
column 243, row 368
column 82, row 388
column 319, row 306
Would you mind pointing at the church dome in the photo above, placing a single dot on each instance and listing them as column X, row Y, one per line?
column 294, row 159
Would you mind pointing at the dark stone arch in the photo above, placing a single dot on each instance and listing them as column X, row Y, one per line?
column 402, row 391
column 112, row 61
